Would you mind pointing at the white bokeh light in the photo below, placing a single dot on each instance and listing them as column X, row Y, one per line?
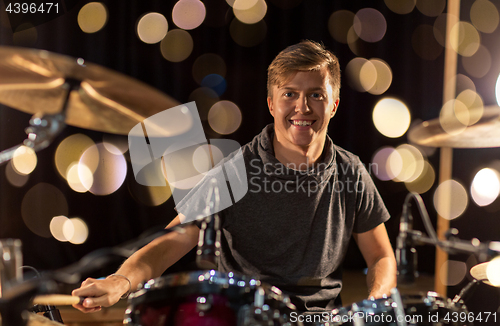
column 485, row 187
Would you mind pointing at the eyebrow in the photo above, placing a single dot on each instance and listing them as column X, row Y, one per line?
column 309, row 89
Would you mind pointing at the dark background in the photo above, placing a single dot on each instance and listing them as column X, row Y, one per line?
column 117, row 218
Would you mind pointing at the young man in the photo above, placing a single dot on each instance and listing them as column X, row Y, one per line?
column 306, row 198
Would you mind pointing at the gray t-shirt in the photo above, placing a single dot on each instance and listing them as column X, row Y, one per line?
column 292, row 228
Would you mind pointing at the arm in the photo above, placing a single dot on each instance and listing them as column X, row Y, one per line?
column 147, row 263
column 379, row 256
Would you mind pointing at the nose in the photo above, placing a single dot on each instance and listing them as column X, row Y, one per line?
column 302, row 105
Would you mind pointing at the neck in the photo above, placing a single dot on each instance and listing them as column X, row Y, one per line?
column 298, row 157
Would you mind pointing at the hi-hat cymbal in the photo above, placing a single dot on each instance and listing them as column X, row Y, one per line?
column 32, row 81
column 484, row 133
column 479, row 273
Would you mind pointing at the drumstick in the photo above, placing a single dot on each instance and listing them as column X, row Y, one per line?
column 58, row 299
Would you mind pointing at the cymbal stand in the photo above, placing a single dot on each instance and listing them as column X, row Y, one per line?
column 44, row 127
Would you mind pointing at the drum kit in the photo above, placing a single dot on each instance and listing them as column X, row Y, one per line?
column 60, row 90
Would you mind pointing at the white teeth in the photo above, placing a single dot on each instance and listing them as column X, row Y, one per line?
column 301, row 123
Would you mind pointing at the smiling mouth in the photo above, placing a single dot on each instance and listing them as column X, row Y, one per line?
column 302, row 123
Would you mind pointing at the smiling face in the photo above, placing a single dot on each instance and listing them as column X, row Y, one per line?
column 302, row 108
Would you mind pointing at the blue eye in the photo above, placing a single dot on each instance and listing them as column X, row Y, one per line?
column 288, row 94
column 316, row 96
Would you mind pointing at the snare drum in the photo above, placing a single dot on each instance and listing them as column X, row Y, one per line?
column 207, row 298
column 406, row 310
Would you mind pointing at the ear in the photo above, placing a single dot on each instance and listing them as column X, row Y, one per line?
column 270, row 105
column 335, row 106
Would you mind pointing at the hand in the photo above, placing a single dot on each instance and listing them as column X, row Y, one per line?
column 100, row 293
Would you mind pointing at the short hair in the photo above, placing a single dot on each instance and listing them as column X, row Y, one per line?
column 304, row 56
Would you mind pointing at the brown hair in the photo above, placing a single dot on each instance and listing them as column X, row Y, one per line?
column 304, row 56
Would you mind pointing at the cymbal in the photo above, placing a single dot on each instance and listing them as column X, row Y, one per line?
column 32, row 81
column 483, row 134
column 479, row 273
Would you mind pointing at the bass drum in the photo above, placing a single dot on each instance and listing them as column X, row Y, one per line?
column 406, row 310
column 207, row 298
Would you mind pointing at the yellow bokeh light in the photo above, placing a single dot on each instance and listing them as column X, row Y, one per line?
column 119, row 143
column 391, row 117
column 69, row 151
column 454, row 117
column 75, row 230
column 383, row 78
column 152, row 28
column 370, row 25
column 493, row 271
column 485, row 187
column 92, row 17
column 478, row 64
column 431, row 8
column 109, row 173
column 177, row 45
column 468, row 39
column 463, row 83
column 450, row 199
column 353, row 72
column 424, row 182
column 401, row 7
column 78, row 172
column 368, row 75
column 56, row 228
column 16, row 179
column 440, row 28
column 189, row 14
column 353, row 41
column 484, row 16
column 474, row 105
column 412, row 163
column 339, row 24
column 224, row 117
column 241, row 4
column 253, row 14
column 147, row 195
column 24, row 160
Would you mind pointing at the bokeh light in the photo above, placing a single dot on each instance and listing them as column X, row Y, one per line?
column 450, row 199
column 205, row 98
column 207, row 64
column 424, row 181
column 188, row 14
column 149, row 196
column 109, row 173
column 493, row 271
column 203, row 156
column 370, row 25
column 247, row 35
column 474, row 107
column 56, row 227
column 118, row 142
column 484, row 16
column 253, row 14
column 401, row 7
column 440, row 28
column 215, row 82
column 454, row 117
column 69, row 151
column 16, row 179
column 454, row 273
column 386, row 163
column 80, row 178
column 224, row 117
column 468, row 39
column 431, row 8
column 75, row 230
column 24, row 160
column 391, row 117
column 241, row 4
column 425, row 44
column 178, row 168
column 353, row 72
column 177, row 45
column 40, row 204
column 412, row 163
column 478, row 64
column 152, row 27
column 485, row 187
column 339, row 24
column 92, row 17
column 383, row 78
column 463, row 82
